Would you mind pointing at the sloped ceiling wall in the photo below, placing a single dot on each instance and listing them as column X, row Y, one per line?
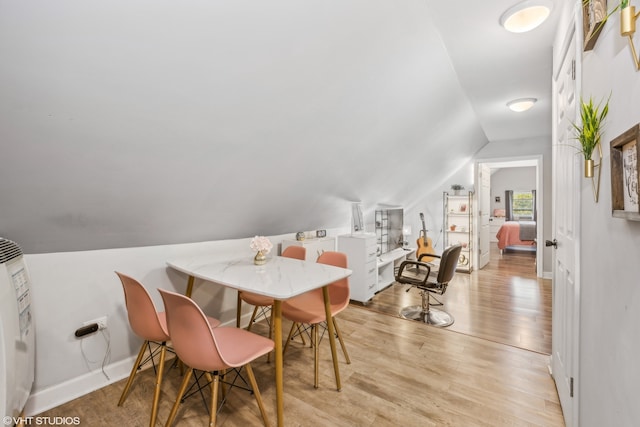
column 131, row 123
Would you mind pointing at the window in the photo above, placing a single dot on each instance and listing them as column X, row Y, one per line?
column 522, row 204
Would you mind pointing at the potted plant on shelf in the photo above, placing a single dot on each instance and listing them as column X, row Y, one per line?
column 456, row 189
column 590, row 131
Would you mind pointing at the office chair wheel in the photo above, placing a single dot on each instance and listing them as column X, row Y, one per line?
column 432, row 317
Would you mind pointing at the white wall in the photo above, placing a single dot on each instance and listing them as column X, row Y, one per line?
column 609, row 378
column 137, row 123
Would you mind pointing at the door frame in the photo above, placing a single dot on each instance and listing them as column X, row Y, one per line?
column 516, row 161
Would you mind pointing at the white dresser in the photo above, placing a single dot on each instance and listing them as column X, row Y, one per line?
column 361, row 250
column 313, row 246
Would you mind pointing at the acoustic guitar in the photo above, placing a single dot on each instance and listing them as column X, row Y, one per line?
column 425, row 246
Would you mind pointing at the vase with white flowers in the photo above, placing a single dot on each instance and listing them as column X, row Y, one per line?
column 263, row 246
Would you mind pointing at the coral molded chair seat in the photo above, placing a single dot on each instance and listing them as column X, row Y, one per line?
column 309, row 308
column 261, row 301
column 150, row 325
column 211, row 350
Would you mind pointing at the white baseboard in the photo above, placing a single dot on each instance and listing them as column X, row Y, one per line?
column 59, row 394
column 547, row 275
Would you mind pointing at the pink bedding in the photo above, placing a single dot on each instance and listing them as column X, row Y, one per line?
column 509, row 235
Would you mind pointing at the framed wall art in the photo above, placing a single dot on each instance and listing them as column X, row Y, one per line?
column 594, row 15
column 625, row 173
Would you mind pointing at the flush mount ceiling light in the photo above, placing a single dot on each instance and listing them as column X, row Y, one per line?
column 526, row 16
column 522, row 104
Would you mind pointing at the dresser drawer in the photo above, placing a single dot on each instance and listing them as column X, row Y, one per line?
column 371, row 270
column 371, row 251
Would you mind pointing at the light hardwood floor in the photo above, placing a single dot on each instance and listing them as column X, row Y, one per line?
column 403, row 373
column 504, row 302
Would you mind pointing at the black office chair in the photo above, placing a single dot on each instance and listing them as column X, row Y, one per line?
column 422, row 277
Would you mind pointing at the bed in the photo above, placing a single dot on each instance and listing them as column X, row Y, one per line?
column 517, row 233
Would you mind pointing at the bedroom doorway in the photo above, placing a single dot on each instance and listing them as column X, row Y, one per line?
column 516, row 174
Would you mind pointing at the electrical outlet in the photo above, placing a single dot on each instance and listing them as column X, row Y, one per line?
column 101, row 322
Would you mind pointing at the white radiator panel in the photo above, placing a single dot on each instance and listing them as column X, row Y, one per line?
column 17, row 334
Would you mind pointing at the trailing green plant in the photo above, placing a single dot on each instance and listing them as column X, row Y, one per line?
column 590, row 130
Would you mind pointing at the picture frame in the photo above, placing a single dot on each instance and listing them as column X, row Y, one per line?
column 625, row 175
column 594, row 14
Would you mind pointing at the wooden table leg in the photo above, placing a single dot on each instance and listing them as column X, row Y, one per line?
column 332, row 335
column 238, row 311
column 277, row 326
column 189, row 287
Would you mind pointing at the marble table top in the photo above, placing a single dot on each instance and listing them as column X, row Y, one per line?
column 279, row 278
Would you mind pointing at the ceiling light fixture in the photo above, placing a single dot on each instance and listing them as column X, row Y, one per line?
column 522, row 104
column 526, row 16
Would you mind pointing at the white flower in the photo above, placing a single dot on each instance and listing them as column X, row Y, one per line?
column 261, row 243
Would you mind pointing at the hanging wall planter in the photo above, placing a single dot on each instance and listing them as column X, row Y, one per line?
column 588, row 134
column 628, row 18
column 589, row 167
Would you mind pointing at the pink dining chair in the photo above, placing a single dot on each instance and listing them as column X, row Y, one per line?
column 309, row 308
column 150, row 325
column 262, row 303
column 211, row 350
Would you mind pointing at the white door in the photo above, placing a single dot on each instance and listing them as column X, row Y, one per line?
column 566, row 191
column 484, row 199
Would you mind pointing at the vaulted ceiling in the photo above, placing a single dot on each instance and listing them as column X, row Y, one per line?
column 128, row 123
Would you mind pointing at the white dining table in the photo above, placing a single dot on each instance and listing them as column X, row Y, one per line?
column 279, row 278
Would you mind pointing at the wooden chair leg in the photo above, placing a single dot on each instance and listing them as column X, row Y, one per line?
column 270, row 333
column 253, row 317
column 256, row 392
column 238, row 308
column 286, row 343
column 301, row 334
column 316, row 354
column 134, row 370
column 183, row 387
column 156, row 393
column 223, row 386
column 344, row 349
column 213, row 412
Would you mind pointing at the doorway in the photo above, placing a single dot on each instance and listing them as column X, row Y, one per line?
column 492, row 198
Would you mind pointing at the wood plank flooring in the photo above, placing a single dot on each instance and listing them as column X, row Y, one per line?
column 402, row 373
column 504, row 302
